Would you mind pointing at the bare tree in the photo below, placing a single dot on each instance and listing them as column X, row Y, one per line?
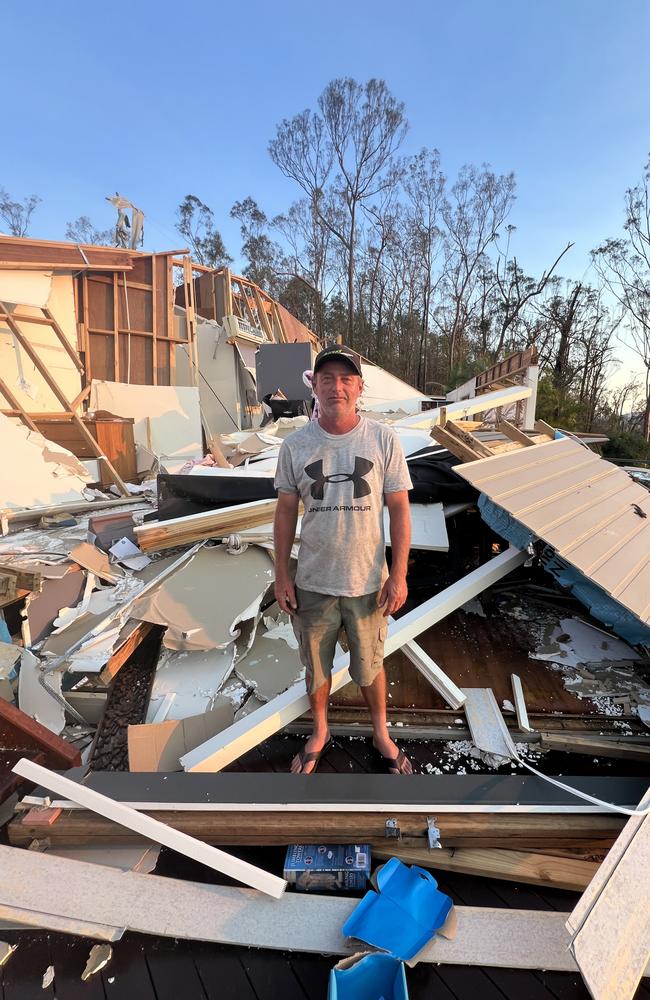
column 624, row 265
column 195, row 223
column 356, row 132
column 480, row 202
column 17, row 215
column 83, row 231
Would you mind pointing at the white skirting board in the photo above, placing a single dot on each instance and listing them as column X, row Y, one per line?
column 248, row 732
column 150, row 904
column 152, row 829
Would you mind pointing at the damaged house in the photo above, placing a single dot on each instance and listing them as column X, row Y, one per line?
column 152, row 695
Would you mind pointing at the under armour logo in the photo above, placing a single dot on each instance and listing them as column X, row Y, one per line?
column 362, row 467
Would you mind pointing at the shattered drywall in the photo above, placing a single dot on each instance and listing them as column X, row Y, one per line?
column 48, row 474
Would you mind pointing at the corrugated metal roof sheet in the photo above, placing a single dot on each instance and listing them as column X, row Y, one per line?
column 580, row 504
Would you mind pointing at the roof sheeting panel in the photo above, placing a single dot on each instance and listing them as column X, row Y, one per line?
column 581, row 505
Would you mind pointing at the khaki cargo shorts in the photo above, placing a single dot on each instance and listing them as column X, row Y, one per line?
column 317, row 624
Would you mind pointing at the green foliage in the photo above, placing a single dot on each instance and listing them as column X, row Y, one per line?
column 628, row 445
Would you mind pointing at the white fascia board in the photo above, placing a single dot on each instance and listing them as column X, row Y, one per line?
column 466, row 407
column 435, row 676
column 153, row 829
column 520, row 704
column 248, row 732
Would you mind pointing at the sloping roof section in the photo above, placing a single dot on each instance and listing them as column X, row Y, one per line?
column 41, row 255
column 591, row 512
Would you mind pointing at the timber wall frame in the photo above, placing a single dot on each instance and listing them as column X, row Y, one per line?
column 68, row 407
column 126, row 321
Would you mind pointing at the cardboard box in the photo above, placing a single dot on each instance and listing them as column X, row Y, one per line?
column 327, row 867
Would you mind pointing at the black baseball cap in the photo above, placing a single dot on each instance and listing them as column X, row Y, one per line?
column 339, row 353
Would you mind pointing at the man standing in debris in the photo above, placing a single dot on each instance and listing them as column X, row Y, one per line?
column 343, row 467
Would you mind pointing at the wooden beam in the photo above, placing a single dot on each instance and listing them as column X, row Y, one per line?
column 543, row 428
column 619, row 749
column 125, row 651
column 512, row 432
column 61, row 398
column 24, row 579
column 455, row 428
column 80, row 398
column 512, row 866
column 152, row 829
column 13, row 401
column 457, row 448
column 156, row 535
column 289, row 825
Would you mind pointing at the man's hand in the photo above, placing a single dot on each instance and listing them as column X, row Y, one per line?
column 393, row 594
column 285, row 594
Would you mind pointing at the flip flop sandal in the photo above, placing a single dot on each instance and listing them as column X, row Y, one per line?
column 315, row 756
column 392, row 764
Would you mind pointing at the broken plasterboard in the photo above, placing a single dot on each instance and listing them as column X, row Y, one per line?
column 44, row 704
column 192, row 677
column 167, row 417
column 49, row 475
column 272, row 663
column 158, row 746
column 202, row 602
column 96, row 561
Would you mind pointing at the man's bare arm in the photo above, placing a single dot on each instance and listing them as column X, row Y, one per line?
column 284, row 533
column 394, row 592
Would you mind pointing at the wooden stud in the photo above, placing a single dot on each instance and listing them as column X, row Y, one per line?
column 512, row 866
column 512, row 432
column 457, row 448
column 156, row 535
column 456, row 429
column 543, row 428
column 64, row 402
column 12, row 400
column 116, row 333
column 65, row 343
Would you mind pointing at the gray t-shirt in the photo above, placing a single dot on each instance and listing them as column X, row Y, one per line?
column 342, row 479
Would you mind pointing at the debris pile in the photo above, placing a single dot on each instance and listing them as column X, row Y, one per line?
column 150, row 685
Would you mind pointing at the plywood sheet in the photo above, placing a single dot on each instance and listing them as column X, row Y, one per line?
column 587, row 509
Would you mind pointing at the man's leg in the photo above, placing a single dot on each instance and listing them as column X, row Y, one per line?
column 366, row 629
column 316, row 625
column 318, row 702
column 374, row 696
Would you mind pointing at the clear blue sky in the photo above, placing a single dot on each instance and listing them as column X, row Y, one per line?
column 157, row 100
